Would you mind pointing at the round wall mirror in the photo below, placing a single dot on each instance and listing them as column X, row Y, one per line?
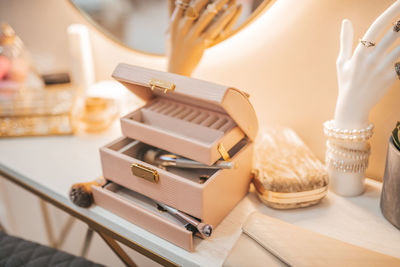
column 142, row 24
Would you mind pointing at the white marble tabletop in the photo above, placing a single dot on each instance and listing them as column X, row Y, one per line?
column 53, row 164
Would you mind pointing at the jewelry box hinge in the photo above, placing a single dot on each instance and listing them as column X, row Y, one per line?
column 162, row 85
column 222, row 151
column 144, row 172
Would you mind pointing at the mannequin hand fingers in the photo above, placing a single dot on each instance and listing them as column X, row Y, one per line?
column 346, row 41
column 234, row 19
column 197, row 6
column 389, row 38
column 171, row 7
column 207, row 16
column 388, row 78
column 228, row 28
column 378, row 26
column 220, row 23
column 176, row 16
column 391, row 76
column 178, row 11
column 382, row 21
column 390, row 59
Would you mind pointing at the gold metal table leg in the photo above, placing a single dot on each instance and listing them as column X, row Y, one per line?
column 47, row 224
column 117, row 249
column 55, row 243
column 65, row 231
column 87, row 242
column 20, row 181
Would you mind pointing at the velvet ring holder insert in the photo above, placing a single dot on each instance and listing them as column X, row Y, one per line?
column 190, row 118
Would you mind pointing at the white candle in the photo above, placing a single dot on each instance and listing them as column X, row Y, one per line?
column 82, row 72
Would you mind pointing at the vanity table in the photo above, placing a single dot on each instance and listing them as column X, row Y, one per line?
column 48, row 166
column 35, row 164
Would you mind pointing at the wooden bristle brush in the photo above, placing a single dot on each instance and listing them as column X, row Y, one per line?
column 81, row 193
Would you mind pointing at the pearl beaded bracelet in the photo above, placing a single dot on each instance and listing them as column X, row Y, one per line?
column 353, row 135
column 354, row 154
column 355, row 166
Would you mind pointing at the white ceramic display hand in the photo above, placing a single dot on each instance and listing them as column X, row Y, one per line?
column 363, row 79
column 365, row 76
column 189, row 37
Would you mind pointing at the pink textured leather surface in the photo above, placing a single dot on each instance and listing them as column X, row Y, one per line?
column 137, row 80
column 144, row 218
column 192, row 91
column 195, row 141
column 210, row 201
column 242, row 112
column 222, row 194
column 171, row 189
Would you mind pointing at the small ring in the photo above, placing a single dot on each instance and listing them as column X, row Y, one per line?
column 191, row 13
column 367, row 43
column 181, row 4
column 212, row 8
column 397, row 69
column 396, row 26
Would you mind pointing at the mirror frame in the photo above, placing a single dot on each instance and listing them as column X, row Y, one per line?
column 256, row 13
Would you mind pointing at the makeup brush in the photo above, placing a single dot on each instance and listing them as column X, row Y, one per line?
column 205, row 230
column 162, row 158
column 81, row 193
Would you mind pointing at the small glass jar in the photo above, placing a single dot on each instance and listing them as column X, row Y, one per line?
column 97, row 114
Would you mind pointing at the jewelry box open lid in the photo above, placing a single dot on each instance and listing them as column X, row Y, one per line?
column 151, row 85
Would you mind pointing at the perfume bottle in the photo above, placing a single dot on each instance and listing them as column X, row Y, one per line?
column 16, row 69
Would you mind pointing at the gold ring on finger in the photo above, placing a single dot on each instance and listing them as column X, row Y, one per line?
column 212, row 8
column 191, row 13
column 397, row 69
column 181, row 4
column 367, row 43
column 396, row 26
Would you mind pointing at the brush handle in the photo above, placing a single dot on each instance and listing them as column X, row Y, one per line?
column 100, row 181
column 188, row 218
column 176, row 212
column 187, row 163
column 174, row 161
column 204, row 230
column 163, row 158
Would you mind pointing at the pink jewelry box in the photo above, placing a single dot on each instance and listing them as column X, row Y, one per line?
column 198, row 120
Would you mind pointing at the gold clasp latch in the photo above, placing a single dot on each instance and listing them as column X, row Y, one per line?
column 222, row 151
column 163, row 85
column 145, row 173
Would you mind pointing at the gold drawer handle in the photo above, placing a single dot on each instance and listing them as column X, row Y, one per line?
column 144, row 172
column 222, row 151
column 162, row 85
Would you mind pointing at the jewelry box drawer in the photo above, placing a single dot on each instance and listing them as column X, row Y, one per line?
column 184, row 129
column 143, row 212
column 210, row 201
